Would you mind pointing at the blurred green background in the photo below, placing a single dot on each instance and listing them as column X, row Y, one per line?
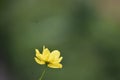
column 87, row 32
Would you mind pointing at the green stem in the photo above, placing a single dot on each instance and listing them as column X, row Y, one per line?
column 42, row 74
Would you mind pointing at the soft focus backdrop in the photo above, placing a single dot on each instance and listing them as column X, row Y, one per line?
column 87, row 32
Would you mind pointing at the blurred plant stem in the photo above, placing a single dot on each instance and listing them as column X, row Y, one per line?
column 43, row 73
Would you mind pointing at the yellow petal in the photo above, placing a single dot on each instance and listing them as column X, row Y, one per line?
column 37, row 53
column 39, row 61
column 55, row 53
column 54, row 56
column 60, row 59
column 57, row 65
column 46, row 54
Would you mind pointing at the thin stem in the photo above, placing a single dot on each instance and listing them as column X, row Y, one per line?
column 42, row 74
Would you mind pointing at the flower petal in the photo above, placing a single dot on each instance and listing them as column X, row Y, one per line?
column 55, row 53
column 60, row 59
column 39, row 61
column 38, row 55
column 46, row 54
column 54, row 56
column 57, row 65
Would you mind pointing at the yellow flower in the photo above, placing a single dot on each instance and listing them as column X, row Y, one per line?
column 51, row 59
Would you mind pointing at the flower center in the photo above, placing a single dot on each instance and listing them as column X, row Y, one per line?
column 47, row 62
